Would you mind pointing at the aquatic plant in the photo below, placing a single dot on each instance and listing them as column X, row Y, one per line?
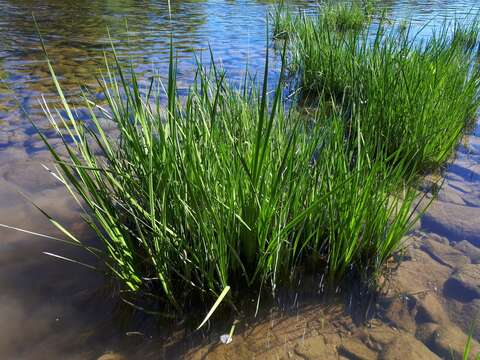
column 466, row 35
column 344, row 16
column 341, row 17
column 283, row 21
column 413, row 96
column 467, row 350
column 224, row 188
column 369, row 6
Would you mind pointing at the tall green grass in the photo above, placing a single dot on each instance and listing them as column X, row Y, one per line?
column 227, row 188
column 467, row 350
column 343, row 17
column 466, row 35
column 413, row 96
column 224, row 188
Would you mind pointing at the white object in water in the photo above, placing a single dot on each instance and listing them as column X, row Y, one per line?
column 225, row 339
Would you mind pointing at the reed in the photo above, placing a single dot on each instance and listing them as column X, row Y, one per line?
column 343, row 17
column 415, row 96
column 466, row 35
column 224, row 188
column 227, row 188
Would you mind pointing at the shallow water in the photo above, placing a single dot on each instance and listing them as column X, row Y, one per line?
column 50, row 309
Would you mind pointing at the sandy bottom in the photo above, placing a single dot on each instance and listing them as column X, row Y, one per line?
column 51, row 309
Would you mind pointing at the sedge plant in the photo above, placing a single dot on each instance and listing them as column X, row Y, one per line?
column 341, row 17
column 224, row 188
column 414, row 95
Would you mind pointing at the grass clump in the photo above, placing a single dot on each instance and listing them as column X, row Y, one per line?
column 341, row 17
column 414, row 97
column 344, row 16
column 283, row 21
column 225, row 189
column 466, row 35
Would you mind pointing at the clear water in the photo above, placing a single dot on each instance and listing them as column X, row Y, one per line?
column 50, row 309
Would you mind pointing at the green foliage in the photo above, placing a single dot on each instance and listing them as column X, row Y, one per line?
column 225, row 188
column 413, row 97
column 467, row 350
column 342, row 17
column 466, row 35
column 283, row 21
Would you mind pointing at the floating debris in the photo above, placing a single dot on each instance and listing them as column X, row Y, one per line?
column 225, row 339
